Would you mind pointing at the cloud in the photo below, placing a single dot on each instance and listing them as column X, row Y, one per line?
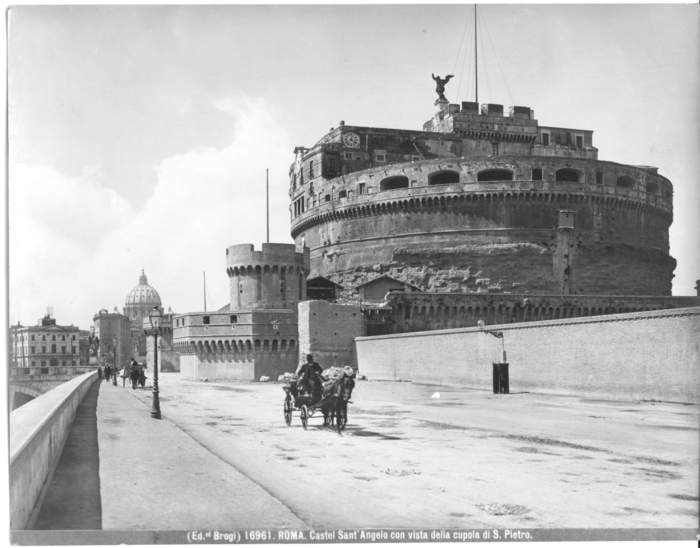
column 79, row 247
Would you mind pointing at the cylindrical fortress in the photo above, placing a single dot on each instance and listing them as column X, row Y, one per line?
column 274, row 278
column 499, row 224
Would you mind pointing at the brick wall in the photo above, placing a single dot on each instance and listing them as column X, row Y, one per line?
column 650, row 355
column 327, row 331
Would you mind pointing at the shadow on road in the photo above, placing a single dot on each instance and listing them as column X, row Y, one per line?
column 73, row 497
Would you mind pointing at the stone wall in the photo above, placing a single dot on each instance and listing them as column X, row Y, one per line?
column 429, row 311
column 636, row 356
column 38, row 430
column 328, row 331
column 504, row 232
column 243, row 366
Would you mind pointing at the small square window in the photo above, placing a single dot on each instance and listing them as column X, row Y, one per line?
column 536, row 174
column 348, row 155
column 206, row 320
column 381, row 158
column 233, row 318
column 415, row 158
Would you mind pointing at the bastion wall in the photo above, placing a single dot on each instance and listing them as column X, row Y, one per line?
column 651, row 355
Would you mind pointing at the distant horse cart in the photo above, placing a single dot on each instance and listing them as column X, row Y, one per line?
column 330, row 398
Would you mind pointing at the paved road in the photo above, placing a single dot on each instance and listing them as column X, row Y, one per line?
column 411, row 459
column 121, row 470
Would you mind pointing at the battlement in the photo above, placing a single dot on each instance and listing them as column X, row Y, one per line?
column 281, row 255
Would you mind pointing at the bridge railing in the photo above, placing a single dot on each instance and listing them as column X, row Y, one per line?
column 19, row 372
column 38, row 430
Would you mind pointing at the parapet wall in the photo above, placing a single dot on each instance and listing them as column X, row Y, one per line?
column 636, row 356
column 38, row 430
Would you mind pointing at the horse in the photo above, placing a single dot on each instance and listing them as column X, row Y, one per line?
column 134, row 375
column 337, row 393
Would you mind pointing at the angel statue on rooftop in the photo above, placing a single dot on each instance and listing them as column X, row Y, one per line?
column 440, row 88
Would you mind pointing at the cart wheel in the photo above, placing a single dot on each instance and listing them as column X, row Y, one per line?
column 288, row 411
column 304, row 416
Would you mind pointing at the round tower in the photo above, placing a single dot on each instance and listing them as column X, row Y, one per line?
column 493, row 203
column 274, row 278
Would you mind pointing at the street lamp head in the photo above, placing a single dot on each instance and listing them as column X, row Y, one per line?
column 155, row 316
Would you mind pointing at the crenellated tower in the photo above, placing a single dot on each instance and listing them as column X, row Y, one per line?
column 257, row 333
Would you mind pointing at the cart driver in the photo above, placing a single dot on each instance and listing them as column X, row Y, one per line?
column 307, row 370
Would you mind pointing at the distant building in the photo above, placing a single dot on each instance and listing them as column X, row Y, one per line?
column 322, row 289
column 44, row 345
column 138, row 305
column 377, row 289
column 114, row 332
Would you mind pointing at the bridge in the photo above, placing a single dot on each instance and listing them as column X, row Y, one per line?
column 86, row 459
column 27, row 383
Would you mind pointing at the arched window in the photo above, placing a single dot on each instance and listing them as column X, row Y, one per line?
column 568, row 175
column 444, row 178
column 626, row 182
column 652, row 188
column 392, row 183
column 494, row 175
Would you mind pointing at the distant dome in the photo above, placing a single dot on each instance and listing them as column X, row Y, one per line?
column 141, row 299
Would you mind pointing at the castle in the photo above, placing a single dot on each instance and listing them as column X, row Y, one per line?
column 481, row 216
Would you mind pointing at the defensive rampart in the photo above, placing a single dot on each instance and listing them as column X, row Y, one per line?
column 429, row 311
column 38, row 431
column 637, row 356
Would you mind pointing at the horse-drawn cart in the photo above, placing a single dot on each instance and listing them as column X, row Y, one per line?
column 332, row 401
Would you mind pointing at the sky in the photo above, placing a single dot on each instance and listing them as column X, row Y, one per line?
column 140, row 136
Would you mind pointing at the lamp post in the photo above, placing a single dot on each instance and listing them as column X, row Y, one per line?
column 116, row 354
column 155, row 317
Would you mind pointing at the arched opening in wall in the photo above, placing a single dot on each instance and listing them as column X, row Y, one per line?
column 292, row 345
column 494, row 175
column 257, row 345
column 266, row 270
column 266, row 345
column 392, row 183
column 626, row 182
column 567, row 175
column 19, row 399
column 653, row 188
column 283, row 345
column 248, row 346
column 444, row 178
column 274, row 345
